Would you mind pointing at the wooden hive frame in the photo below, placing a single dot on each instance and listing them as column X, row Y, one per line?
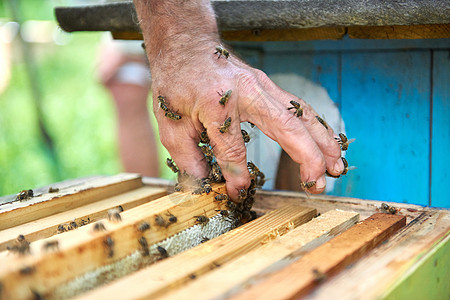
column 256, row 259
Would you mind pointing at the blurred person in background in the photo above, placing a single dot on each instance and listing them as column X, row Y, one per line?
column 123, row 70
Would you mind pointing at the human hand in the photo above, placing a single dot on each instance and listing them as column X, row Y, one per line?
column 187, row 72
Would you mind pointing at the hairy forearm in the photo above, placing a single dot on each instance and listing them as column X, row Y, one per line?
column 176, row 29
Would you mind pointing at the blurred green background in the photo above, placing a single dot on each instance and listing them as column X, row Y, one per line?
column 76, row 109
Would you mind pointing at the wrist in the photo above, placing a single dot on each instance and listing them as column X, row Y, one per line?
column 174, row 30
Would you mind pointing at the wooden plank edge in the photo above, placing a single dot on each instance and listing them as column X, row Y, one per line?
column 373, row 274
column 428, row 278
column 83, row 249
column 51, row 203
column 236, row 274
column 48, row 226
column 297, row 279
column 175, row 271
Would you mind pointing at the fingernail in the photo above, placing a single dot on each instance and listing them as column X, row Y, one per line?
column 321, row 183
column 338, row 167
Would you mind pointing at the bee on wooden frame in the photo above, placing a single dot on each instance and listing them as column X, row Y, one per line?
column 162, row 252
column 143, row 227
column 201, row 219
column 98, row 227
column 114, row 215
column 51, row 246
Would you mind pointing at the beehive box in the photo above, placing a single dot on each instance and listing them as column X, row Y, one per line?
column 299, row 246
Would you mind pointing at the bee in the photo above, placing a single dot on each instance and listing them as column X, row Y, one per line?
column 109, row 243
column 23, row 246
column 242, row 194
column 51, row 246
column 53, row 190
column 343, row 141
column 231, row 205
column 98, row 227
column 114, row 216
column 27, row 270
column 222, row 197
column 318, row 276
column 307, row 185
column 171, row 164
column 248, row 203
column 298, row 110
column 61, row 228
column 224, row 97
column 192, row 276
column 119, row 208
column 172, row 218
column 223, row 212
column 204, row 239
column 162, row 103
column 201, row 220
column 221, row 51
column 245, row 136
column 224, row 127
column 84, row 222
column 198, row 191
column 344, row 161
column 322, row 121
column 204, row 138
column 251, row 124
column 331, row 175
column 162, row 252
column 206, row 185
column 72, row 225
column 245, row 216
column 216, row 173
column 209, row 154
column 144, row 246
column 161, row 222
column 173, row 116
column 25, row 195
column 178, row 187
column 390, row 209
column 143, row 227
column 253, row 169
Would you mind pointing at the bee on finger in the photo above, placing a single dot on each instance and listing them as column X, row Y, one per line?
column 171, row 164
column 204, row 138
column 322, row 121
column 224, row 127
column 221, row 51
column 163, row 103
column 245, row 136
column 216, row 173
column 298, row 110
column 344, row 141
column 307, row 185
column 243, row 194
column 224, row 97
column 173, row 116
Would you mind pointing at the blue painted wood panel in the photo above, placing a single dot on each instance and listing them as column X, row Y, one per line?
column 394, row 97
column 440, row 147
column 385, row 103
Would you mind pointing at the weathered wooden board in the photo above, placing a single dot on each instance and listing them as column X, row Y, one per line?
column 300, row 277
column 83, row 250
column 174, row 271
column 238, row 272
column 13, row 214
column 48, row 226
column 429, row 31
column 373, row 276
